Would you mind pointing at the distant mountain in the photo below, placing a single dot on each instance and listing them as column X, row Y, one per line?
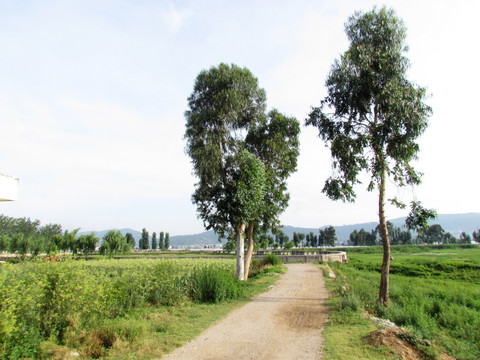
column 453, row 223
column 205, row 238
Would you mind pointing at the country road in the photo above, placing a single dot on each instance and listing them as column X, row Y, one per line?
column 286, row 322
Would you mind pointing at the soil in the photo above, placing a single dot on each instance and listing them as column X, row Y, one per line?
column 392, row 338
column 286, row 322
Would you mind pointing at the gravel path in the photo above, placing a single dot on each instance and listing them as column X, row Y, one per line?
column 284, row 323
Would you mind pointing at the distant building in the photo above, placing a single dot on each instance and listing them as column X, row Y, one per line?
column 8, row 188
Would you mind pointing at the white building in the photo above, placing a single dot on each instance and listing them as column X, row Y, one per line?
column 8, row 188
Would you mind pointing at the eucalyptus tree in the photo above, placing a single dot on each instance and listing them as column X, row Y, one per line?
column 226, row 101
column 274, row 141
column 229, row 133
column 372, row 117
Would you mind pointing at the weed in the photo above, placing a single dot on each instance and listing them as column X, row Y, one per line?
column 214, row 284
column 272, row 259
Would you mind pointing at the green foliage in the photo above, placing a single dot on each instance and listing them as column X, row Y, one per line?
column 161, row 241
column 272, row 259
column 246, row 190
column 114, row 243
column 241, row 156
column 327, row 236
column 419, row 216
column 167, row 241
column 372, row 117
column 214, row 284
column 154, row 241
column 59, row 301
column 225, row 101
column 434, row 292
column 377, row 112
column 143, row 242
column 363, row 238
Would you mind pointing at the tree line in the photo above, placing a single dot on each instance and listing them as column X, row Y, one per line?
column 146, row 243
column 434, row 234
column 279, row 240
column 24, row 236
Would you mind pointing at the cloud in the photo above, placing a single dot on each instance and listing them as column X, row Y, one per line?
column 79, row 150
column 175, row 18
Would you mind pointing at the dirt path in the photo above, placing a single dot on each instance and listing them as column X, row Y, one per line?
column 284, row 323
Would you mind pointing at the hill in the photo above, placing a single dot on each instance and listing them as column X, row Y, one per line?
column 453, row 223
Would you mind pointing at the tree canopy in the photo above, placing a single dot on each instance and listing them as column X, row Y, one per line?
column 240, row 155
column 372, row 115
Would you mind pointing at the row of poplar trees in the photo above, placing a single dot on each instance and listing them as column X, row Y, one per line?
column 370, row 120
column 146, row 242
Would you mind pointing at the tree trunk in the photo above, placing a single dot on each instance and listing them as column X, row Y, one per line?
column 384, row 292
column 248, row 257
column 240, row 252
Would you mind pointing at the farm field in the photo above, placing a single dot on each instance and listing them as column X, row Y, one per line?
column 434, row 292
column 118, row 309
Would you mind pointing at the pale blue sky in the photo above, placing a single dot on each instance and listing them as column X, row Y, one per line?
column 92, row 96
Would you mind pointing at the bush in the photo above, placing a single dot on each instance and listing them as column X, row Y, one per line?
column 272, row 259
column 213, row 284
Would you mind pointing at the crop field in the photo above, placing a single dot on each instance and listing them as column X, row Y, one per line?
column 88, row 305
column 434, row 291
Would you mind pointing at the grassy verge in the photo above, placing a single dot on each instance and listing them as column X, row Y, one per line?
column 434, row 295
column 346, row 329
column 151, row 332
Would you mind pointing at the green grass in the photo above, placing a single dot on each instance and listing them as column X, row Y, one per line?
column 138, row 308
column 434, row 292
column 347, row 326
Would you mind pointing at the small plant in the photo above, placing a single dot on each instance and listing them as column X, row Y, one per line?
column 213, row 284
column 272, row 259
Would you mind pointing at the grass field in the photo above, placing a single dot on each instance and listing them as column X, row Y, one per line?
column 118, row 309
column 434, row 292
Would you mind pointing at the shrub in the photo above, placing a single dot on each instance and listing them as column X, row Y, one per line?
column 272, row 259
column 213, row 284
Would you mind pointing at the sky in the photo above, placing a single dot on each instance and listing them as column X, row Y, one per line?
column 93, row 95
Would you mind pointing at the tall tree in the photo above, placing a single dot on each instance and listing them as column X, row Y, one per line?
column 143, row 243
column 372, row 117
column 227, row 128
column 296, row 239
column 154, row 240
column 225, row 102
column 301, row 236
column 130, row 239
column 114, row 243
column 434, row 234
column 327, row 236
column 161, row 241
column 274, row 141
column 87, row 243
column 464, row 238
column 167, row 241
column 476, row 236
